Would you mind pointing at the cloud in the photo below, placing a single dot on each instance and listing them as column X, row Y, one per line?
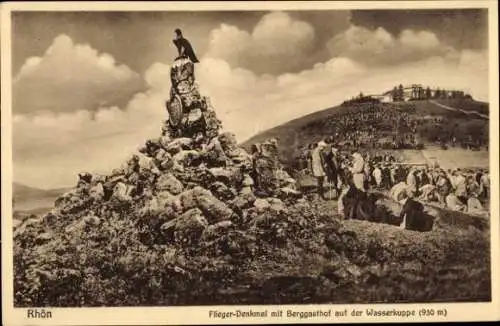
column 465, row 28
column 380, row 47
column 71, row 77
column 263, row 102
column 277, row 43
column 50, row 148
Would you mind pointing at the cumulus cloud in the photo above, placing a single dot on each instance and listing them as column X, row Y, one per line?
column 266, row 101
column 277, row 43
column 380, row 47
column 71, row 77
column 50, row 148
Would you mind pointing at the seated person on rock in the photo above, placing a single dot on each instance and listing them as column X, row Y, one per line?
column 355, row 203
column 397, row 192
column 474, row 206
column 412, row 212
column 454, row 203
column 428, row 193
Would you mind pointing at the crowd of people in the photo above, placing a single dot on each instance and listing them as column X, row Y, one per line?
column 458, row 189
column 372, row 125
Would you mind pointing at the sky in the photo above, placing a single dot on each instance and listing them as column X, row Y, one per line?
column 90, row 87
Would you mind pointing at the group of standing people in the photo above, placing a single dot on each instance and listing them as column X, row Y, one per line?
column 325, row 164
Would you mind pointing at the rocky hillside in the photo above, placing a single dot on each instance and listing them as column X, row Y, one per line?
column 190, row 220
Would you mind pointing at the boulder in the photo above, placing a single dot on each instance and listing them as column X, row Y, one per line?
column 166, row 199
column 261, row 205
column 189, row 198
column 147, row 165
column 117, row 171
column 151, row 207
column 215, row 155
column 215, row 230
column 243, row 201
column 186, row 157
column 72, row 202
column 92, row 220
column 212, row 124
column 276, row 205
column 150, row 147
column 194, row 116
column 49, row 218
column 230, row 176
column 191, row 221
column 164, row 141
column 240, row 158
column 221, row 191
column 214, row 209
column 163, row 160
column 288, row 192
column 228, row 141
column 43, row 238
column 198, row 197
column 97, row 192
column 169, row 183
column 121, row 192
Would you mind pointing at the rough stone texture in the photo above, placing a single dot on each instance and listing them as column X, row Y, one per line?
column 169, row 183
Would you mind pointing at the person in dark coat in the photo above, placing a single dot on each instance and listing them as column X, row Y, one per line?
column 332, row 167
column 184, row 47
column 413, row 216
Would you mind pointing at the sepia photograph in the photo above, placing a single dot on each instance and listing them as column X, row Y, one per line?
column 243, row 157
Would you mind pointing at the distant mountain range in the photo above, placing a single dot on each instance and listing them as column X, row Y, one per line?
column 34, row 200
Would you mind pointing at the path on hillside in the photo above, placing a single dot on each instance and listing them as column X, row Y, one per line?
column 459, row 110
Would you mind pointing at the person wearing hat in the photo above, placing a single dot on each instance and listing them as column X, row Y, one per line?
column 411, row 178
column 184, row 48
column 461, row 186
column 485, row 184
column 386, row 176
column 317, row 165
column 411, row 210
column 332, row 164
column 443, row 186
column 377, row 175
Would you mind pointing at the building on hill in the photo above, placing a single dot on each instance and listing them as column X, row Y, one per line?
column 384, row 97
